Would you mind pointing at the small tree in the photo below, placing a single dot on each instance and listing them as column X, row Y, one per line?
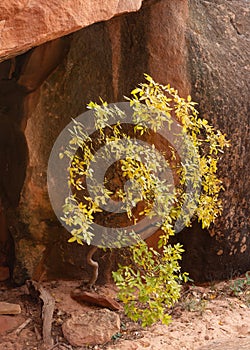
column 150, row 283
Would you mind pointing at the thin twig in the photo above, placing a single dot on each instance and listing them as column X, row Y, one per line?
column 38, row 335
column 54, row 346
column 22, row 326
column 59, row 344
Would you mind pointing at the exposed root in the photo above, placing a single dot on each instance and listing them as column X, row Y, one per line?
column 95, row 266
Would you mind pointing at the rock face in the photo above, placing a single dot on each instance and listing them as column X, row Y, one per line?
column 199, row 47
column 70, row 82
column 50, row 19
column 91, row 328
column 218, row 43
column 4, row 273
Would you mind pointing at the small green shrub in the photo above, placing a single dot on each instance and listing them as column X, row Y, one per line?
column 239, row 285
column 151, row 284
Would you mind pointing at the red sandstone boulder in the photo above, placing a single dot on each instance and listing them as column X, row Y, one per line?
column 91, row 328
column 96, row 299
column 25, row 24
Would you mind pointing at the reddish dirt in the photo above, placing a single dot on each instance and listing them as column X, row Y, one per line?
column 206, row 317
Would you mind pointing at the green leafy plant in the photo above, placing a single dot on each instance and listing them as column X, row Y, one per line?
column 150, row 283
column 238, row 286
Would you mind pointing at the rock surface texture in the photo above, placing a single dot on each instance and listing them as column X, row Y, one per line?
column 59, row 81
column 218, row 44
column 51, row 19
column 9, row 323
column 91, row 328
column 199, row 47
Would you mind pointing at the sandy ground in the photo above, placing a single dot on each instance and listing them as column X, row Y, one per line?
column 206, row 318
column 221, row 321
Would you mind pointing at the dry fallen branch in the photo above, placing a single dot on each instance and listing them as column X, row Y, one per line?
column 47, row 311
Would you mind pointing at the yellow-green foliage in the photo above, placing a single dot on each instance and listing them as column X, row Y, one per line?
column 208, row 142
column 151, row 282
